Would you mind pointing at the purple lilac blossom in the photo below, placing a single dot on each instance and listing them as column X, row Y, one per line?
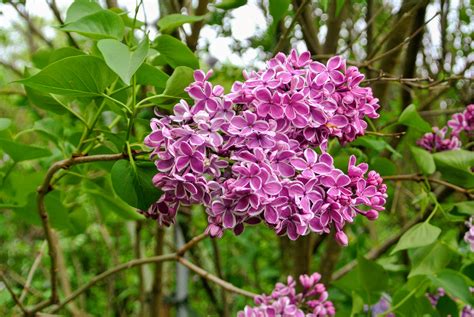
column 284, row 301
column 379, row 308
column 469, row 235
column 449, row 137
column 438, row 141
column 252, row 155
column 467, row 311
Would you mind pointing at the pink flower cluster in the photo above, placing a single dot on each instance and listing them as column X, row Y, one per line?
column 252, row 155
column 443, row 140
column 285, row 302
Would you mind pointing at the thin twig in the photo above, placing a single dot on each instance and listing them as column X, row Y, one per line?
column 408, row 39
column 396, row 134
column 44, row 189
column 32, row 271
column 377, row 252
column 54, row 7
column 129, row 265
column 12, row 293
column 225, row 285
column 420, row 178
column 285, row 35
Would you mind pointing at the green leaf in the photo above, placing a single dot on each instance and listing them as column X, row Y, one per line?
column 230, row 4
column 411, row 118
column 447, row 307
column 22, row 152
column 62, row 53
column 170, row 22
column 120, row 59
column 102, row 24
column 57, row 212
column 383, row 165
column 133, row 184
column 412, row 305
column 424, row 160
column 456, row 166
column 110, row 203
column 77, row 76
column 81, row 8
column 419, row 235
column 174, row 90
column 175, row 52
column 278, row 9
column 5, row 123
column 372, row 275
column 429, row 259
column 150, row 75
column 455, row 284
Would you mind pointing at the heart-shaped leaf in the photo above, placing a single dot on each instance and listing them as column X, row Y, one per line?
column 133, row 184
column 120, row 59
column 102, row 24
column 175, row 52
column 418, row 236
column 77, row 76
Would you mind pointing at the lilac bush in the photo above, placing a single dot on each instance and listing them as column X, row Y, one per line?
column 259, row 153
column 448, row 138
column 467, row 310
column 285, row 301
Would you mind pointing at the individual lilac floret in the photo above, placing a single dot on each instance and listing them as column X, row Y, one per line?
column 285, row 301
column 469, row 235
column 437, row 141
column 258, row 154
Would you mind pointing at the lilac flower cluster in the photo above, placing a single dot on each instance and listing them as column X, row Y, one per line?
column 285, row 302
column 250, row 155
column 443, row 140
column 380, row 307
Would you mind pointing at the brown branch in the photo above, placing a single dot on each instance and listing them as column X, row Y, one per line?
column 31, row 25
column 12, row 293
column 306, row 20
column 32, row 271
column 334, row 24
column 54, row 7
column 420, row 178
column 225, row 285
column 281, row 43
column 141, row 278
column 128, row 265
column 157, row 288
column 218, row 267
column 196, row 27
column 43, row 190
column 397, row 47
column 377, row 252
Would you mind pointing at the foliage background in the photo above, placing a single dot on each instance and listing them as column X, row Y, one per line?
column 413, row 53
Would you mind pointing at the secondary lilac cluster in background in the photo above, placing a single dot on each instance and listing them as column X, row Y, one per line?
column 285, row 301
column 258, row 153
column 434, row 298
column 449, row 137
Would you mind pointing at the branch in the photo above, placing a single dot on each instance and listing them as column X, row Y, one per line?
column 225, row 285
column 377, row 252
column 12, row 293
column 31, row 25
column 308, row 25
column 43, row 190
column 32, row 271
column 397, row 47
column 125, row 266
column 53, row 6
column 420, row 178
column 12, row 68
column 285, row 35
